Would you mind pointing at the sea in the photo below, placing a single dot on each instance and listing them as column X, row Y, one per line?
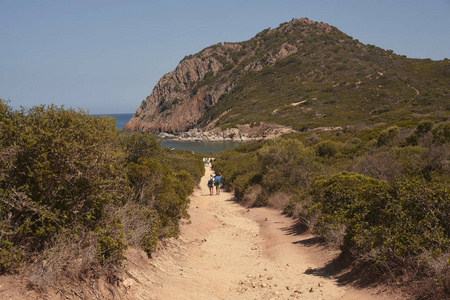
column 200, row 147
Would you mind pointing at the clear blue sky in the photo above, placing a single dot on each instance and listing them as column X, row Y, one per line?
column 105, row 56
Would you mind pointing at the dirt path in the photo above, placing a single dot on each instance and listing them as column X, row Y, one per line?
column 230, row 252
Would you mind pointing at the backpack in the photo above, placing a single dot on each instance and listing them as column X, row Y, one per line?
column 211, row 181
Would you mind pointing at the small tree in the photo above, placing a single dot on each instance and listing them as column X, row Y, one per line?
column 388, row 136
column 328, row 148
column 441, row 133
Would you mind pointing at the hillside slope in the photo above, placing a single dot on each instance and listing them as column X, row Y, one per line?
column 301, row 75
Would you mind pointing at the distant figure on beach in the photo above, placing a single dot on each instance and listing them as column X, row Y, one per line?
column 211, row 184
column 218, row 183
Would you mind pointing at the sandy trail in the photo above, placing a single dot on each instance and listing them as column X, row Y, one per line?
column 229, row 252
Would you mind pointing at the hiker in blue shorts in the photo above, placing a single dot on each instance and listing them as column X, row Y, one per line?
column 218, row 183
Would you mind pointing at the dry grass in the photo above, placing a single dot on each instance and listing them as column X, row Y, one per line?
column 134, row 223
column 278, row 200
column 252, row 196
column 71, row 257
column 436, row 284
column 381, row 166
column 70, row 265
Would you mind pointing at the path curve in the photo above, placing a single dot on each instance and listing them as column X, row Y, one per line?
column 227, row 251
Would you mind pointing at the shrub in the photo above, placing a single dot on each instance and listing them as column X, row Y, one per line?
column 162, row 198
column 350, row 201
column 232, row 164
column 398, row 227
column 138, row 145
column 424, row 127
column 64, row 169
column 418, row 223
column 284, row 151
column 435, row 159
column 243, row 182
column 387, row 137
column 10, row 256
column 186, row 161
column 441, row 133
column 328, row 148
column 171, row 202
column 381, row 166
column 143, row 177
column 252, row 195
column 111, row 245
column 285, row 164
column 74, row 193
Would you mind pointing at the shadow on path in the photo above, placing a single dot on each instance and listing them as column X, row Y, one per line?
column 345, row 270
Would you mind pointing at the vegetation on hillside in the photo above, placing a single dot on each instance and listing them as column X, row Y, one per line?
column 381, row 194
column 75, row 192
column 328, row 79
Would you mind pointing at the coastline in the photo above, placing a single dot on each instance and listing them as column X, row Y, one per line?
column 201, row 146
column 244, row 133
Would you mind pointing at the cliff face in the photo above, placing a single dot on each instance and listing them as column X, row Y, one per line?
column 174, row 104
column 181, row 97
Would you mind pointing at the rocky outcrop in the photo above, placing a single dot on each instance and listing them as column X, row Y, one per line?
column 177, row 102
column 242, row 133
column 181, row 98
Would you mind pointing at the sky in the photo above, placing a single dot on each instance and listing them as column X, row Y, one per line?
column 105, row 56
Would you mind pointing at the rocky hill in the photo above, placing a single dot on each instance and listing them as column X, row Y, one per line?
column 299, row 76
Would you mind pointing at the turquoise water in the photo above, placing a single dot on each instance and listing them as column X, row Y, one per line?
column 201, row 147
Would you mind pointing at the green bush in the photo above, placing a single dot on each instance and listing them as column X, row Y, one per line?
column 163, row 195
column 143, row 176
column 424, row 127
column 285, row 164
column 67, row 176
column 425, row 217
column 387, row 137
column 186, row 161
column 233, row 164
column 111, row 244
column 63, row 168
column 350, row 202
column 391, row 225
column 137, row 145
column 441, row 133
column 171, row 203
column 10, row 256
column 328, row 148
column 244, row 182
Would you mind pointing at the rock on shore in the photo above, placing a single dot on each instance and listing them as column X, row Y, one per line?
column 241, row 133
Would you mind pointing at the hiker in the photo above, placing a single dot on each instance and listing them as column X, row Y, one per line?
column 218, row 182
column 211, row 184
